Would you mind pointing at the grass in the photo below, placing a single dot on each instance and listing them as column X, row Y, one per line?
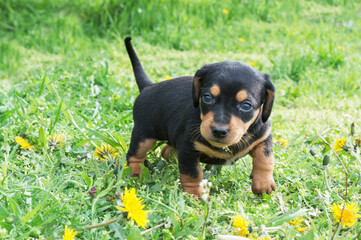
column 64, row 69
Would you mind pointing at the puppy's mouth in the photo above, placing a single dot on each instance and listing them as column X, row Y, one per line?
column 220, row 143
column 221, row 135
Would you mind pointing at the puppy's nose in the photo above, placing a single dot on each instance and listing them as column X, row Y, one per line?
column 220, row 132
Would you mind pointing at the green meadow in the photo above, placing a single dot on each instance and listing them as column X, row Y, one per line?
column 67, row 88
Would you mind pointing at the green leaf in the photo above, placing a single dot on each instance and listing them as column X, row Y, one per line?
column 156, row 188
column 86, row 119
column 42, row 137
column 87, row 180
column 15, row 207
column 290, row 215
column 339, row 227
column 126, row 172
column 32, row 213
column 100, row 195
column 118, row 230
column 309, row 235
column 57, row 117
column 175, row 222
column 200, row 221
column 134, row 234
column 6, row 115
column 104, row 138
column 7, row 225
column 266, row 196
column 41, row 87
column 3, row 212
column 144, row 173
column 125, row 115
column 66, row 113
column 24, row 235
column 106, row 72
column 119, row 139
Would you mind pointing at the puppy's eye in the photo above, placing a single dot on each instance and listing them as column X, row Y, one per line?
column 245, row 106
column 207, row 98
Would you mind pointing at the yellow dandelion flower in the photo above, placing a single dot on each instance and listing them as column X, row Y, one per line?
column 283, row 142
column 105, row 153
column 24, row 144
column 55, row 140
column 340, row 143
column 167, row 77
column 302, row 229
column 241, row 39
column 349, row 215
column 253, row 64
column 296, row 222
column 69, row 234
column 341, row 48
column 225, row 11
column 57, row 137
column 240, row 225
column 134, row 207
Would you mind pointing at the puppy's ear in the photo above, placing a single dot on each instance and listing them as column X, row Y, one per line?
column 197, row 80
column 196, row 90
column 269, row 98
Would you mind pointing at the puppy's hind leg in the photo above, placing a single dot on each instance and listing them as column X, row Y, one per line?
column 167, row 152
column 139, row 146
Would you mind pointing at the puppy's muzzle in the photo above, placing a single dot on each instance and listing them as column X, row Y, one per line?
column 219, row 131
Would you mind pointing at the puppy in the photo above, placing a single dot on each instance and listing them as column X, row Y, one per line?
column 215, row 117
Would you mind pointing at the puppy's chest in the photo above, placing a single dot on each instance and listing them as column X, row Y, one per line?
column 227, row 155
column 230, row 153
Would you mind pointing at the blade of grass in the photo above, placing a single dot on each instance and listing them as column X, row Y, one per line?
column 42, row 137
column 104, row 138
column 56, row 119
column 32, row 213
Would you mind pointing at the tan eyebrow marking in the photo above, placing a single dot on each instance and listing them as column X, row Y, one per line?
column 241, row 95
column 215, row 90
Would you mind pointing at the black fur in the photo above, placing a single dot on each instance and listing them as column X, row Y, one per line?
column 170, row 110
column 140, row 76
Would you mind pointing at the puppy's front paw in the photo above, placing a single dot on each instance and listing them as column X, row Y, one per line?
column 135, row 164
column 196, row 191
column 193, row 186
column 262, row 183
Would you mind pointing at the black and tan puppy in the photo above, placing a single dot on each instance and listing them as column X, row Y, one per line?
column 215, row 117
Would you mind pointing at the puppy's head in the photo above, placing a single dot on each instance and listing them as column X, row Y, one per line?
column 231, row 95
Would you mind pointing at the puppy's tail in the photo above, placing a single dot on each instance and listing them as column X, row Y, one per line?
column 140, row 76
